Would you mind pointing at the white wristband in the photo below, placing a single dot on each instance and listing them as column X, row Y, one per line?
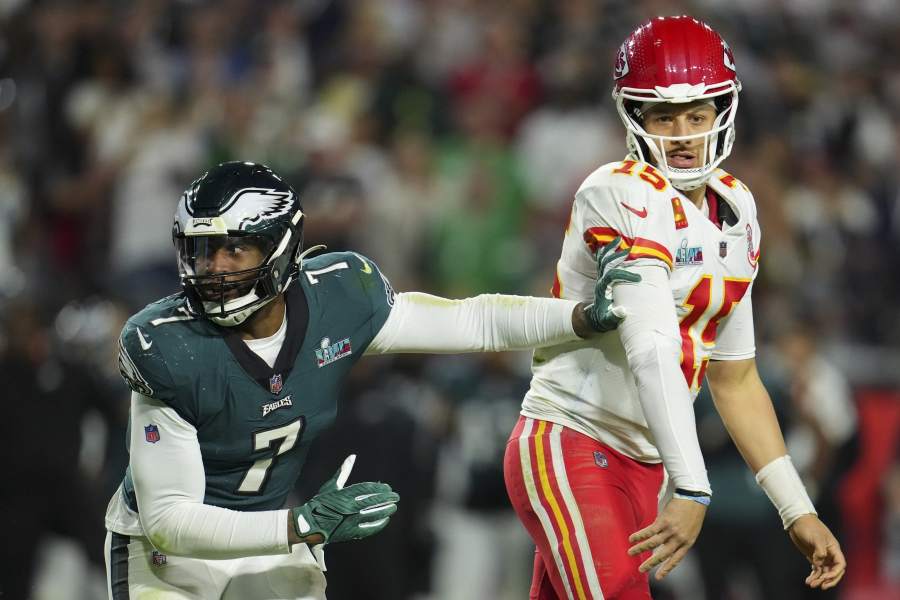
column 782, row 484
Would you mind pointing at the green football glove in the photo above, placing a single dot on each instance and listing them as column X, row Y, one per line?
column 341, row 513
column 601, row 314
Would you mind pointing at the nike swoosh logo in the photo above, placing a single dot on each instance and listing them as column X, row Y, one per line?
column 145, row 345
column 641, row 213
column 366, row 268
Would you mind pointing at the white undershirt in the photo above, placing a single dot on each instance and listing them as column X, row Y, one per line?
column 268, row 348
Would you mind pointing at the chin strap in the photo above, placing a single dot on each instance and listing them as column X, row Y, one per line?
column 307, row 252
column 238, row 317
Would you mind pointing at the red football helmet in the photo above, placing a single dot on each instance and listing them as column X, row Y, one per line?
column 678, row 60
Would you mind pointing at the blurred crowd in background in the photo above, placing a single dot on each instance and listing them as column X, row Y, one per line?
column 444, row 139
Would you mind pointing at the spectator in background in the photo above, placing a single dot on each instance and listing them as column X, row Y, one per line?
column 557, row 145
column 502, row 72
column 568, row 134
column 144, row 198
column 45, row 490
column 406, row 206
column 475, row 240
column 14, row 205
column 336, row 196
column 823, row 417
column 826, row 213
column 890, row 566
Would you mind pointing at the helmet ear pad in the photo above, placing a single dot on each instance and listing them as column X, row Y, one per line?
column 633, row 108
column 642, row 150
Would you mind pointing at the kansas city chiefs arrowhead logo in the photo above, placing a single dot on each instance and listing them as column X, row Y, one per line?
column 729, row 56
column 621, row 64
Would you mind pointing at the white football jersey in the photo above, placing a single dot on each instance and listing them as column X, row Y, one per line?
column 587, row 384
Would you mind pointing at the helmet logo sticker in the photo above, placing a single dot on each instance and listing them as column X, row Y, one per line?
column 728, row 58
column 252, row 205
column 621, row 64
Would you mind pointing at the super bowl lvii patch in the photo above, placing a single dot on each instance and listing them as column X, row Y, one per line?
column 327, row 352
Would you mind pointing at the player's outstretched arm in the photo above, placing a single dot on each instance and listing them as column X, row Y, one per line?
column 337, row 513
column 495, row 322
column 746, row 410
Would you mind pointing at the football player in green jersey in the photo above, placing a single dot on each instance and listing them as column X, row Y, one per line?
column 233, row 378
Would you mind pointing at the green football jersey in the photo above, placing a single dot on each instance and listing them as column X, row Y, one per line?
column 254, row 423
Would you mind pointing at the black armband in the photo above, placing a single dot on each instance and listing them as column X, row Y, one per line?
column 690, row 493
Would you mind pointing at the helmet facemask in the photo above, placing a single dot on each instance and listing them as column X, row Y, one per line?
column 717, row 142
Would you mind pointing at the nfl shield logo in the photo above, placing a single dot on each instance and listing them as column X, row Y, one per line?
column 723, row 249
column 600, row 459
column 151, row 433
column 158, row 559
column 275, row 384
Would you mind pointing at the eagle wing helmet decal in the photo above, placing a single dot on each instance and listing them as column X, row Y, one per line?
column 249, row 206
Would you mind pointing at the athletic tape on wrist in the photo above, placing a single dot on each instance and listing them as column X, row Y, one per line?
column 782, row 484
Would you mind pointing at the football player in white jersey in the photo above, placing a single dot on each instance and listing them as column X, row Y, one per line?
column 584, row 464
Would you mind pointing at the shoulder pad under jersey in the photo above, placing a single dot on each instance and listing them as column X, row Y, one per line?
column 145, row 347
column 632, row 200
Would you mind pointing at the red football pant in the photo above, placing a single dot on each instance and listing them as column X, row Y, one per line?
column 579, row 501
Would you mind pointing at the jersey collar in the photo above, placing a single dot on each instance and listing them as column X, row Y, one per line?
column 297, row 324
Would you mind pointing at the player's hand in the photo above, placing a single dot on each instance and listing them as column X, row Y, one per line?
column 338, row 513
column 670, row 536
column 601, row 315
column 816, row 542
